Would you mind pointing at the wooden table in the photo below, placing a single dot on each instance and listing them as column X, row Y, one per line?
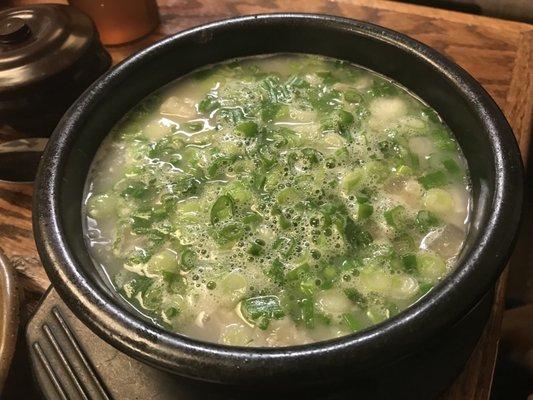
column 497, row 53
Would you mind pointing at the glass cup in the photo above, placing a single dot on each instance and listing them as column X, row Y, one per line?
column 120, row 21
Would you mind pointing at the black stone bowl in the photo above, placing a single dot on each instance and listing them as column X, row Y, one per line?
column 416, row 353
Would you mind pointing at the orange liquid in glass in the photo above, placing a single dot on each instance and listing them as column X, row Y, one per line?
column 120, row 21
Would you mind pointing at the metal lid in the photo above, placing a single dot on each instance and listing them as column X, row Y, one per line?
column 39, row 41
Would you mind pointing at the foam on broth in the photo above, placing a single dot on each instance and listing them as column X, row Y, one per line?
column 276, row 201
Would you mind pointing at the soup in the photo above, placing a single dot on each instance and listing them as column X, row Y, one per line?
column 276, row 201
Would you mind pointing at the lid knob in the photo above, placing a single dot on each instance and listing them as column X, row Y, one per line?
column 13, row 30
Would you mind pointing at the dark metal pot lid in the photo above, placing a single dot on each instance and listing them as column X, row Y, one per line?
column 40, row 41
column 49, row 54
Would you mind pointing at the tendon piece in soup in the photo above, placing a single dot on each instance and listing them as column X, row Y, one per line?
column 277, row 201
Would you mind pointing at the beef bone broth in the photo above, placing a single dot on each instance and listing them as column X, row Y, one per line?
column 277, row 201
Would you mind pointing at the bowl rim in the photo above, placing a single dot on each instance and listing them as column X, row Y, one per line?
column 219, row 363
column 9, row 318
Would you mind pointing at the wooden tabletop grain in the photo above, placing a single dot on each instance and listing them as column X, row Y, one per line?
column 497, row 53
